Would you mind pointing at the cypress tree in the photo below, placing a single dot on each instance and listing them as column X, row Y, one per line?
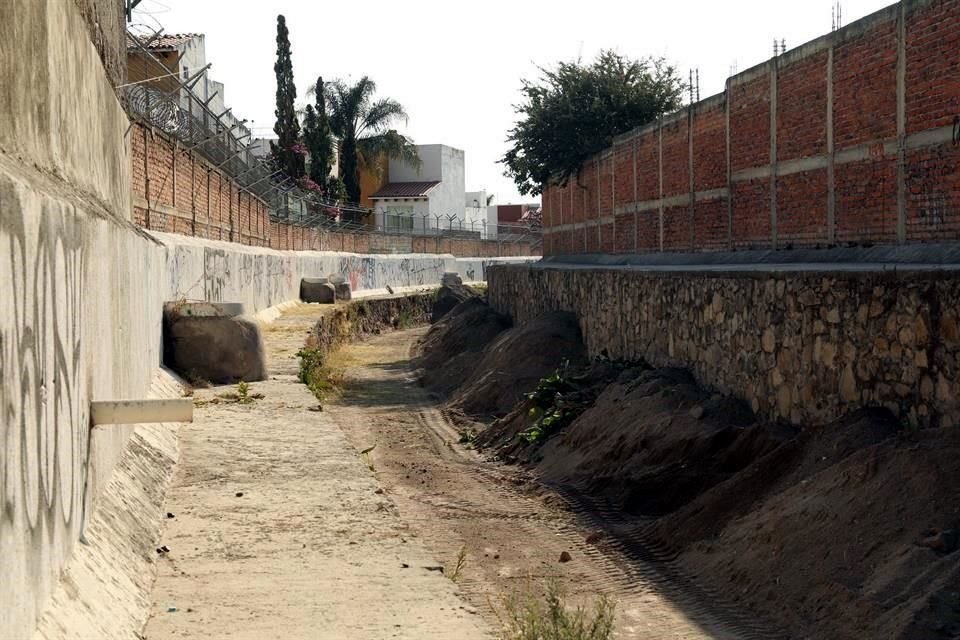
column 318, row 137
column 287, row 127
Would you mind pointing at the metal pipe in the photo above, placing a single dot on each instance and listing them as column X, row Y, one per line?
column 104, row 412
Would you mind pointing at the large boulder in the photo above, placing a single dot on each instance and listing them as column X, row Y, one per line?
column 208, row 342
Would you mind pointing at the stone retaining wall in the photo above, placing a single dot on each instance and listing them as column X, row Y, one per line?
column 804, row 347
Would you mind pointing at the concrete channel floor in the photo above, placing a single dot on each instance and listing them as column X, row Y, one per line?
column 280, row 530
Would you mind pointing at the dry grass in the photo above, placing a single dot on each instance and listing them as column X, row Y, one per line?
column 530, row 616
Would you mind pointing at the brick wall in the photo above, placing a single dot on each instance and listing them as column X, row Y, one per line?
column 853, row 138
column 177, row 191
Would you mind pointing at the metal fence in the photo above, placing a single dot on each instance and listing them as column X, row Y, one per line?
column 165, row 98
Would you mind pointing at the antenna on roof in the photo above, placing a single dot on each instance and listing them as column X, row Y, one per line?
column 836, row 14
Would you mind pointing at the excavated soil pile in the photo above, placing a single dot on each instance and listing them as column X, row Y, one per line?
column 847, row 531
column 448, row 297
column 650, row 440
column 449, row 352
column 514, row 363
column 483, row 367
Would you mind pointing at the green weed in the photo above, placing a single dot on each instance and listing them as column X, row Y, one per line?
column 527, row 616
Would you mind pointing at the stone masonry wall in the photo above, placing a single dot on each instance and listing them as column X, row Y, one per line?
column 805, row 347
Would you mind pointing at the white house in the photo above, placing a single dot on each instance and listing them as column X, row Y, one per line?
column 425, row 198
column 477, row 216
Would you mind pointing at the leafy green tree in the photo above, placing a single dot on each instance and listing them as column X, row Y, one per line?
column 362, row 123
column 318, row 137
column 335, row 189
column 575, row 110
column 287, row 127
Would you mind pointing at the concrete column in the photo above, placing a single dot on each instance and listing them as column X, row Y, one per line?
column 208, row 202
column 173, row 164
column 193, row 194
column 613, row 198
column 774, row 69
column 146, row 174
column 599, row 212
column 901, row 125
column 693, row 194
column 660, row 177
column 726, row 118
column 831, row 159
column 636, row 229
column 583, row 211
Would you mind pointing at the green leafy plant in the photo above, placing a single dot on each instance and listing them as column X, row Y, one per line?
column 315, row 374
column 547, row 408
column 527, row 616
column 243, row 393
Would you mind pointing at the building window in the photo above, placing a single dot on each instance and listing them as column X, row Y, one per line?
column 398, row 218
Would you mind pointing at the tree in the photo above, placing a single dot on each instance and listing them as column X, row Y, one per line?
column 289, row 159
column 574, row 110
column 318, row 137
column 362, row 126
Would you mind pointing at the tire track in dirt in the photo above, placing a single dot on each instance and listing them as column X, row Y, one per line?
column 512, row 528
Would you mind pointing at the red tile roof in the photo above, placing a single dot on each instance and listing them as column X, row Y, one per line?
column 164, row 41
column 405, row 190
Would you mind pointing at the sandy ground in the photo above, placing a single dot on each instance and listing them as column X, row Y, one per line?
column 313, row 548
column 511, row 531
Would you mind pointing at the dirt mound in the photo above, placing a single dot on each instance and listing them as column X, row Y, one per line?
column 516, row 361
column 449, row 352
column 848, row 531
column 448, row 297
column 650, row 440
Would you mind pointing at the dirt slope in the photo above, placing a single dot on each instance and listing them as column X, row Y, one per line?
column 843, row 531
column 484, row 367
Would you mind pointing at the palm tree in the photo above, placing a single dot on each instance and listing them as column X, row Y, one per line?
column 362, row 126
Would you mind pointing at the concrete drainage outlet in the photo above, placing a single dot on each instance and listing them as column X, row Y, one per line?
column 213, row 343
column 318, row 290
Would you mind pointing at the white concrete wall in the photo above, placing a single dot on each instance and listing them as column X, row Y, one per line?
column 447, row 198
column 430, row 170
column 492, row 222
column 261, row 278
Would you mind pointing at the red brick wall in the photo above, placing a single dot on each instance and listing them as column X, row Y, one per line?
column 176, row 191
column 844, row 189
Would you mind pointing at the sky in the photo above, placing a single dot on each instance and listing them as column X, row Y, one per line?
column 457, row 67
